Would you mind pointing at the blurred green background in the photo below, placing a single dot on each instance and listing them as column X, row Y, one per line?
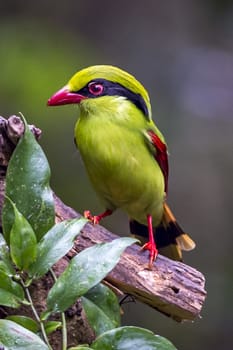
column 182, row 52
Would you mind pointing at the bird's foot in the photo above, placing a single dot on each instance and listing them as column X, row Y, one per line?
column 153, row 252
column 93, row 218
column 96, row 218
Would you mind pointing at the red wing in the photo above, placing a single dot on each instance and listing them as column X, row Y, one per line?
column 161, row 155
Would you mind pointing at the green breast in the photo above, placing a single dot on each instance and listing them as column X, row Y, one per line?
column 121, row 167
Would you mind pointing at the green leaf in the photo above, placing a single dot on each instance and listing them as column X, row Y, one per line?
column 102, row 309
column 5, row 261
column 52, row 326
column 132, row 338
column 25, row 322
column 23, row 245
column 85, row 270
column 16, row 337
column 55, row 244
column 11, row 293
column 27, row 184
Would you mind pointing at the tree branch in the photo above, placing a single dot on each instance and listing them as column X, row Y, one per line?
column 172, row 288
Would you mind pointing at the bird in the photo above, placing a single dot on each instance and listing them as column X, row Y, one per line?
column 125, row 155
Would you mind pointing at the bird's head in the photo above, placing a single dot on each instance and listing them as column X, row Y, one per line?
column 102, row 80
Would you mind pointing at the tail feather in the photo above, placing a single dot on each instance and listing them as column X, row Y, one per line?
column 183, row 240
column 169, row 236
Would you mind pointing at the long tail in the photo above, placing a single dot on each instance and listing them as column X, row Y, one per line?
column 169, row 236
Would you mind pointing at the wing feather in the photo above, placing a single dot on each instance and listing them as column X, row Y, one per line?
column 160, row 155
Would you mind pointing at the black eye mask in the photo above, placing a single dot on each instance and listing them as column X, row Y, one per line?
column 115, row 89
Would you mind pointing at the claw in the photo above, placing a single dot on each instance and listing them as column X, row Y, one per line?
column 96, row 218
column 87, row 215
column 153, row 252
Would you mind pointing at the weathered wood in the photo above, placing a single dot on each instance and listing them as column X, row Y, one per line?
column 171, row 287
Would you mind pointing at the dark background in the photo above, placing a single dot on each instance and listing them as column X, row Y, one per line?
column 182, row 52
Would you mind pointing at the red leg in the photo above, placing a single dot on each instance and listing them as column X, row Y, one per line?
column 151, row 245
column 96, row 218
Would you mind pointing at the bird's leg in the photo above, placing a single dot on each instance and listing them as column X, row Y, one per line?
column 151, row 245
column 96, row 218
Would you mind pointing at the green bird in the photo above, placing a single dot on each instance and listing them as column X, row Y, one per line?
column 125, row 155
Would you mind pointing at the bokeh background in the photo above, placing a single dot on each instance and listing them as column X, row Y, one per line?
column 182, row 51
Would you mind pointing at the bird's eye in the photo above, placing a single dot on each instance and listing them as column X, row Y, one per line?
column 95, row 88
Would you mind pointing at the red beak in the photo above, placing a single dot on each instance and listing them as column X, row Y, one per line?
column 64, row 97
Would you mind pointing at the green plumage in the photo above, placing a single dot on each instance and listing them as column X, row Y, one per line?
column 111, row 137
